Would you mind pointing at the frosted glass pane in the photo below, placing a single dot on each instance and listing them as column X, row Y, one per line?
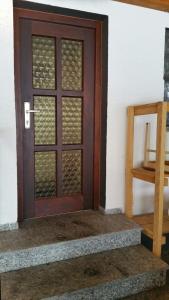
column 44, row 120
column 43, row 51
column 71, row 120
column 72, row 65
column 71, row 172
column 45, row 174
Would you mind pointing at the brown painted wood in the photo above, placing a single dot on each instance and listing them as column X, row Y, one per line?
column 60, row 19
column 19, row 13
column 87, row 36
column 26, row 95
column 97, row 133
column 57, row 147
column 73, row 203
column 162, row 5
column 54, row 93
column 19, row 118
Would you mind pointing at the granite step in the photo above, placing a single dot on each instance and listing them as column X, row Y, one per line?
column 63, row 237
column 112, row 274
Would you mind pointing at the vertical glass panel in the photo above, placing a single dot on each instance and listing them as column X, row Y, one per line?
column 71, row 65
column 45, row 174
column 44, row 120
column 71, row 120
column 43, row 51
column 71, row 172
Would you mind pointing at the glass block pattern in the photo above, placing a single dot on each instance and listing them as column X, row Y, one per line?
column 44, row 120
column 71, row 172
column 71, row 65
column 43, row 51
column 71, row 120
column 45, row 174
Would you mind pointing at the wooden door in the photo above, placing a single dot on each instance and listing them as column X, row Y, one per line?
column 57, row 81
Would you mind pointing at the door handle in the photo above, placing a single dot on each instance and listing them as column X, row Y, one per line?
column 27, row 111
column 32, row 111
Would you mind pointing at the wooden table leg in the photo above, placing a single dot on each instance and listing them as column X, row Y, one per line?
column 129, row 163
column 159, row 178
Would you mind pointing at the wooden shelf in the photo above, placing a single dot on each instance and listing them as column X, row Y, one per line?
column 148, row 175
column 146, row 221
column 158, row 225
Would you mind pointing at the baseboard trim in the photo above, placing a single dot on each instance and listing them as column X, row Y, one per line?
column 9, row 226
column 113, row 211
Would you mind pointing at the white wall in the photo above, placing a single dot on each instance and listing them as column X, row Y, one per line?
column 136, row 59
column 8, row 179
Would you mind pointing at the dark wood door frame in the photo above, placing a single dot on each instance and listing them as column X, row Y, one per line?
column 99, row 23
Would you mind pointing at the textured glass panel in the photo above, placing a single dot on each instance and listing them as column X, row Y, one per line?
column 45, row 174
column 71, row 120
column 43, row 50
column 45, row 131
column 71, row 172
column 71, row 65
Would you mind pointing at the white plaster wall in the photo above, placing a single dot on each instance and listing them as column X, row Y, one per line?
column 8, row 177
column 136, row 58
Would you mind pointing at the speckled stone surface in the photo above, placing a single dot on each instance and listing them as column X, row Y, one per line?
column 63, row 237
column 9, row 226
column 161, row 293
column 116, row 290
column 44, row 231
column 107, row 275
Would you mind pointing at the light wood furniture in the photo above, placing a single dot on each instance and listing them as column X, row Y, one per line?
column 148, row 163
column 154, row 229
column 162, row 5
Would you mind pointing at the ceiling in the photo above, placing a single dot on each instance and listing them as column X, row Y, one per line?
column 155, row 4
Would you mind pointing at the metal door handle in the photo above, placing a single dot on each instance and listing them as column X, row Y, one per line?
column 32, row 111
column 27, row 111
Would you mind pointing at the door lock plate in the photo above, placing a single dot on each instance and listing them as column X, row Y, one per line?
column 28, row 111
column 27, row 114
